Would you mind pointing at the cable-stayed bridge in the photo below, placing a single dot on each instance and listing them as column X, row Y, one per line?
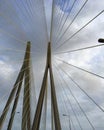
column 51, row 65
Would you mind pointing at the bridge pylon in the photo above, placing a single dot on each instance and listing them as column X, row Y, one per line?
column 36, row 122
column 24, row 75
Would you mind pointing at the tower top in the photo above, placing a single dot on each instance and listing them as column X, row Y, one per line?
column 28, row 43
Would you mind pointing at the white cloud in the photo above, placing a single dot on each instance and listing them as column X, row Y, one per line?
column 6, row 70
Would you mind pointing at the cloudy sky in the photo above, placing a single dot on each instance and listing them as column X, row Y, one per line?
column 22, row 21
